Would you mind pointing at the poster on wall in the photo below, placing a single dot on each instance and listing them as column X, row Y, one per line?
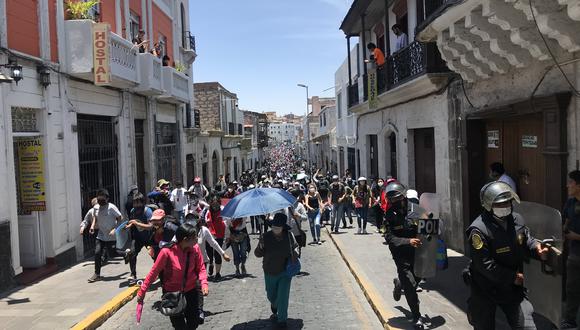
column 493, row 139
column 31, row 183
column 530, row 141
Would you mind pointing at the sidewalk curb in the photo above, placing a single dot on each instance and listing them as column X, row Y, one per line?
column 371, row 295
column 98, row 317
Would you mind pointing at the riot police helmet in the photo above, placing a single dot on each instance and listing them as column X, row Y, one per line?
column 395, row 191
column 497, row 192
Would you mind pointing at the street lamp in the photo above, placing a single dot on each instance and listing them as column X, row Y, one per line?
column 306, row 128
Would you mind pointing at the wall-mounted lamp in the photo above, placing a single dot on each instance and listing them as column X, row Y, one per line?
column 43, row 75
column 15, row 72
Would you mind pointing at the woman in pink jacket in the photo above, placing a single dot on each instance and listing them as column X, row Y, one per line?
column 172, row 261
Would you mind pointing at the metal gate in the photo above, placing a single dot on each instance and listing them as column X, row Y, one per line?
column 97, row 164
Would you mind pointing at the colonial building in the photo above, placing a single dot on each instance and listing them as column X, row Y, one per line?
column 222, row 132
column 324, row 143
column 393, row 120
column 85, row 110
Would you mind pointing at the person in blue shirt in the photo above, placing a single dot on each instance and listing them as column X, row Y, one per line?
column 141, row 230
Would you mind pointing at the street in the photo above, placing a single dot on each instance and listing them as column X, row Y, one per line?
column 324, row 296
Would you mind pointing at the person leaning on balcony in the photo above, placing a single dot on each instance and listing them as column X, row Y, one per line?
column 140, row 42
column 402, row 39
column 378, row 58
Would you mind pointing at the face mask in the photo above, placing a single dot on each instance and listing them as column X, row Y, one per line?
column 380, row 184
column 102, row 200
column 277, row 230
column 502, row 212
column 230, row 190
column 312, row 190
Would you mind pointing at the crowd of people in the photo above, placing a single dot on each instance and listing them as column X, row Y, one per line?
column 184, row 232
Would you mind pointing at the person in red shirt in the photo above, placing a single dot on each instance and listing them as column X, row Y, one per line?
column 217, row 227
column 183, row 255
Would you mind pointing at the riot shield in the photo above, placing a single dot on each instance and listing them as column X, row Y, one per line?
column 426, row 215
column 544, row 282
column 122, row 237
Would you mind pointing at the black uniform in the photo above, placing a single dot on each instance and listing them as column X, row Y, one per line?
column 401, row 230
column 498, row 249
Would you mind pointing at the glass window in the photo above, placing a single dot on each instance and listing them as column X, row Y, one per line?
column 339, row 105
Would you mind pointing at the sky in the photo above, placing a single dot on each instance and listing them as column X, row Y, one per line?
column 261, row 49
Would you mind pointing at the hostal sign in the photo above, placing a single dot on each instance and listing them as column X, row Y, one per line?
column 102, row 67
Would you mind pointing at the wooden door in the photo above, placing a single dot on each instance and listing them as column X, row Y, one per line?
column 425, row 160
column 519, row 149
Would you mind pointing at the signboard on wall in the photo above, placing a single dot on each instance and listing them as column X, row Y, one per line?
column 101, row 50
column 529, row 141
column 31, row 183
column 373, row 91
column 493, row 139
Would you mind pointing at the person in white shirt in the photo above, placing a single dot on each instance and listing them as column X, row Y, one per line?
column 179, row 199
column 402, row 39
column 497, row 173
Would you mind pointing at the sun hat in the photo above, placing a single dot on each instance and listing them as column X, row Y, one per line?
column 158, row 214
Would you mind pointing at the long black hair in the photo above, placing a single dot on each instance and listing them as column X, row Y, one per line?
column 184, row 231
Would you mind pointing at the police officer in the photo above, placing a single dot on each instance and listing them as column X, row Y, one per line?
column 402, row 239
column 499, row 243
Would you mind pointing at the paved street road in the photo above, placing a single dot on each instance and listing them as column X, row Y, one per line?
column 325, row 297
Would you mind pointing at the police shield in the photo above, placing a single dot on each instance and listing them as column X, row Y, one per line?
column 122, row 237
column 426, row 215
column 544, row 280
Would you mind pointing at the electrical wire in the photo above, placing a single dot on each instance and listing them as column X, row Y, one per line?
column 574, row 90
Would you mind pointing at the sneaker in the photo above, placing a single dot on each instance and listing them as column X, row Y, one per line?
column 365, row 231
column 359, row 231
column 132, row 279
column 217, row 277
column 200, row 316
column 94, row 278
column 319, row 242
column 568, row 325
column 244, row 272
column 397, row 291
column 419, row 323
column 210, row 271
column 127, row 257
column 237, row 273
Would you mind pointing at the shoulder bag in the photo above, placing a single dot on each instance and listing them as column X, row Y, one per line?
column 293, row 264
column 174, row 303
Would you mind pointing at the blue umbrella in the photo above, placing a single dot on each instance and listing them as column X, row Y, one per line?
column 257, row 202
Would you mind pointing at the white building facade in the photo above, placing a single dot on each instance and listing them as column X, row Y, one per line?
column 95, row 112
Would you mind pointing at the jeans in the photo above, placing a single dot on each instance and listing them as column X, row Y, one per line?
column 278, row 292
column 240, row 251
column 189, row 318
column 100, row 246
column 337, row 216
column 362, row 215
column 180, row 215
column 314, row 220
column 348, row 212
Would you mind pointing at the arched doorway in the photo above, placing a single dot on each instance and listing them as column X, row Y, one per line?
column 392, row 155
column 214, row 167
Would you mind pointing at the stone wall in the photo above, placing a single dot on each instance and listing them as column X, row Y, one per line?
column 207, row 101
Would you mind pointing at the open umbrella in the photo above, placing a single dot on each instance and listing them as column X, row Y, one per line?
column 257, row 202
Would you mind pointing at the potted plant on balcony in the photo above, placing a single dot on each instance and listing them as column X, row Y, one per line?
column 80, row 10
column 179, row 67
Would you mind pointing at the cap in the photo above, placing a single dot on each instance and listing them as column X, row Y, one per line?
column 412, row 194
column 362, row 178
column 335, row 177
column 162, row 182
column 235, row 182
column 158, row 214
column 251, row 186
column 133, row 187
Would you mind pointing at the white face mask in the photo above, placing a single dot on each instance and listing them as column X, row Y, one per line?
column 502, row 212
column 277, row 230
column 380, row 184
column 312, row 190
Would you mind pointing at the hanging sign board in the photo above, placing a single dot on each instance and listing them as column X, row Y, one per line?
column 101, row 50
column 529, row 141
column 373, row 91
column 493, row 139
column 31, row 183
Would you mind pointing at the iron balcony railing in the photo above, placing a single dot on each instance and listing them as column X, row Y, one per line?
column 189, row 40
column 353, row 98
column 413, row 61
column 196, row 118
